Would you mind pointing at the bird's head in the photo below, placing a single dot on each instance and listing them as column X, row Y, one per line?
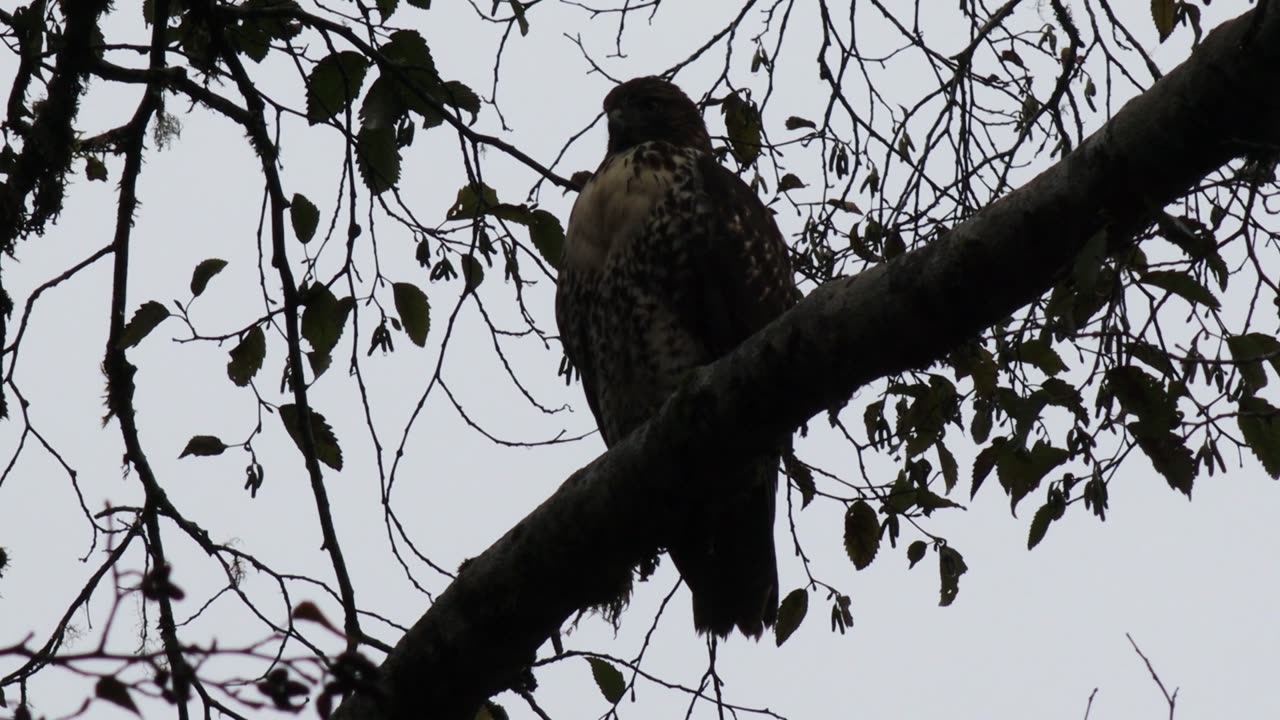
column 650, row 108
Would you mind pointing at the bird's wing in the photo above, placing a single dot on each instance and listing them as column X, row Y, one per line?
column 744, row 263
column 572, row 320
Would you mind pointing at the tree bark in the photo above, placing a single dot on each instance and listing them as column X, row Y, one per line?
column 483, row 631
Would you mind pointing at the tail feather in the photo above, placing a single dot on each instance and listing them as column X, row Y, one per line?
column 728, row 560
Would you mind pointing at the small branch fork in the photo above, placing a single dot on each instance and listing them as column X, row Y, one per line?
column 1171, row 699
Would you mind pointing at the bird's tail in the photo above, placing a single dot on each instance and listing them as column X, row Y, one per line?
column 727, row 559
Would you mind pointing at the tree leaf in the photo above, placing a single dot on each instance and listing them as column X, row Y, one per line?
column 319, row 362
column 547, row 235
column 246, row 358
column 145, row 319
column 472, row 272
column 608, row 679
column 1054, row 508
column 459, row 96
column 383, row 105
column 378, row 158
column 950, row 469
column 113, row 691
column 387, row 8
column 473, row 200
column 1260, row 424
column 255, row 33
column 333, row 84
column 1249, row 351
column 951, row 566
column 415, row 78
column 878, row 431
column 515, row 213
column 984, row 462
column 309, row 611
column 1152, row 356
column 915, row 552
column 902, row 494
column 790, row 614
column 1168, row 453
column 247, row 38
column 282, row 689
column 928, row 501
column 95, row 169
column 1064, row 395
column 203, row 273
column 983, row 418
column 861, row 534
column 1040, row 353
column 1011, row 56
column 203, row 445
column 1021, row 471
column 304, row 216
column 1040, row 525
column 742, row 121
column 1141, row 395
column 414, row 311
column 1163, row 14
column 327, row 450
column 802, row 476
column 324, row 317
column 845, row 205
column 1182, row 284
column 408, row 49
column 795, row 123
column 1086, row 270
column 789, row 182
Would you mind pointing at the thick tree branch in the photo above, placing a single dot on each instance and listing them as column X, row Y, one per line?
column 484, row 629
column 120, row 372
column 48, row 140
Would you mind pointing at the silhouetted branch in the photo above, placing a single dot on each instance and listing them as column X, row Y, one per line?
column 1170, row 699
column 483, row 631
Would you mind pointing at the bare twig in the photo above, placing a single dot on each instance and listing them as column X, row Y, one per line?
column 1170, row 699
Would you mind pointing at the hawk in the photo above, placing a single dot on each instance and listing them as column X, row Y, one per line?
column 670, row 262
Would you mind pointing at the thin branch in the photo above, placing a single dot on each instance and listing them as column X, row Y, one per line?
column 1170, row 699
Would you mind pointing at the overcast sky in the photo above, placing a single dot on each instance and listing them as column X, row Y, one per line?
column 1032, row 634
